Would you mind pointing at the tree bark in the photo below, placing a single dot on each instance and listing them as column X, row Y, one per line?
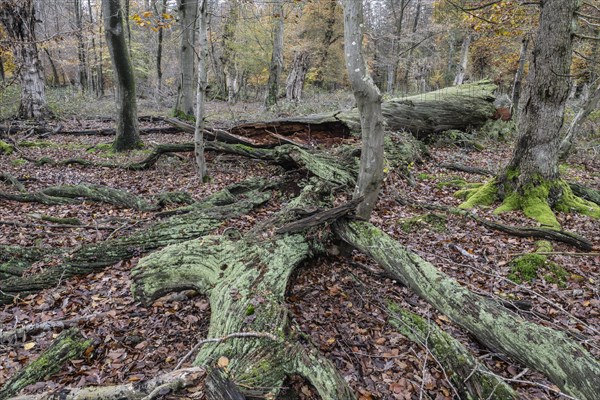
column 159, row 47
column 565, row 363
column 81, row 56
column 516, row 91
column 201, row 89
column 18, row 19
column 464, row 60
column 128, row 136
column 409, row 59
column 276, row 65
column 535, row 156
column 368, row 100
column 295, row 80
column 188, row 11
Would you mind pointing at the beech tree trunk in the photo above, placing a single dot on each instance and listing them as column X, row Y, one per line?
column 535, row 156
column 295, row 80
column 409, row 60
column 81, row 56
column 188, row 11
column 159, row 49
column 368, row 100
column 276, row 57
column 128, row 136
column 18, row 19
column 201, row 89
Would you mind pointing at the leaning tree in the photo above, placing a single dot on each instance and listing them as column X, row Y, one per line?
column 128, row 136
column 18, row 19
column 531, row 181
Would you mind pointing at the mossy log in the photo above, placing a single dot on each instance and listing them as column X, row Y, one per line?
column 75, row 194
column 570, row 238
column 13, row 180
column 200, row 219
column 67, row 346
column 245, row 281
column 564, row 362
column 460, row 107
column 471, row 379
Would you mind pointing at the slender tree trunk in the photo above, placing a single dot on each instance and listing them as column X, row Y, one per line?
column 100, row 56
column 276, row 57
column 516, row 91
column 464, row 60
column 368, row 100
column 159, row 49
column 55, row 76
column 18, row 19
column 323, row 53
column 585, row 109
column 81, row 56
column 2, row 74
column 295, row 80
column 188, row 10
column 409, row 60
column 228, row 62
column 201, row 89
column 96, row 69
column 128, row 136
column 392, row 80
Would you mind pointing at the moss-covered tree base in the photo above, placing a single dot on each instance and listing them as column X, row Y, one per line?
column 537, row 201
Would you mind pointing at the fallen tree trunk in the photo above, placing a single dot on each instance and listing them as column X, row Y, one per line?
column 565, row 363
column 460, row 107
column 471, row 379
column 246, row 281
column 74, row 194
column 67, row 346
column 201, row 218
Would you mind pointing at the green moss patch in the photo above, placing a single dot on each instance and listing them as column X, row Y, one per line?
column 435, row 222
column 34, row 144
column 528, row 267
column 6, row 148
column 485, row 195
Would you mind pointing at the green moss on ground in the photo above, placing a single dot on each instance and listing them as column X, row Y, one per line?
column 485, row 195
column 528, row 267
column 6, row 148
column 18, row 162
column 36, row 144
column 434, row 221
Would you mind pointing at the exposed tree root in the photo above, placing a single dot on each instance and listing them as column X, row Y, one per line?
column 67, row 346
column 521, row 231
column 245, row 282
column 565, row 363
column 470, row 378
column 75, row 194
column 202, row 217
column 14, row 181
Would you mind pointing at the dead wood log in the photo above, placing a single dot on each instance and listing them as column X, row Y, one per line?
column 566, row 363
column 157, row 388
column 67, row 346
column 470, row 378
column 316, row 218
column 245, row 281
column 14, row 181
column 460, row 107
column 31, row 329
column 203, row 217
column 570, row 238
column 75, row 194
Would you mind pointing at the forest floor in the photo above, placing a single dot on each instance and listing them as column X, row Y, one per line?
column 339, row 302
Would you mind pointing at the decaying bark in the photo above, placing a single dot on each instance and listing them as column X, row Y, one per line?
column 470, row 378
column 67, row 346
column 201, row 88
column 188, row 11
column 565, row 363
column 295, row 80
column 71, row 194
column 461, row 107
column 199, row 219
